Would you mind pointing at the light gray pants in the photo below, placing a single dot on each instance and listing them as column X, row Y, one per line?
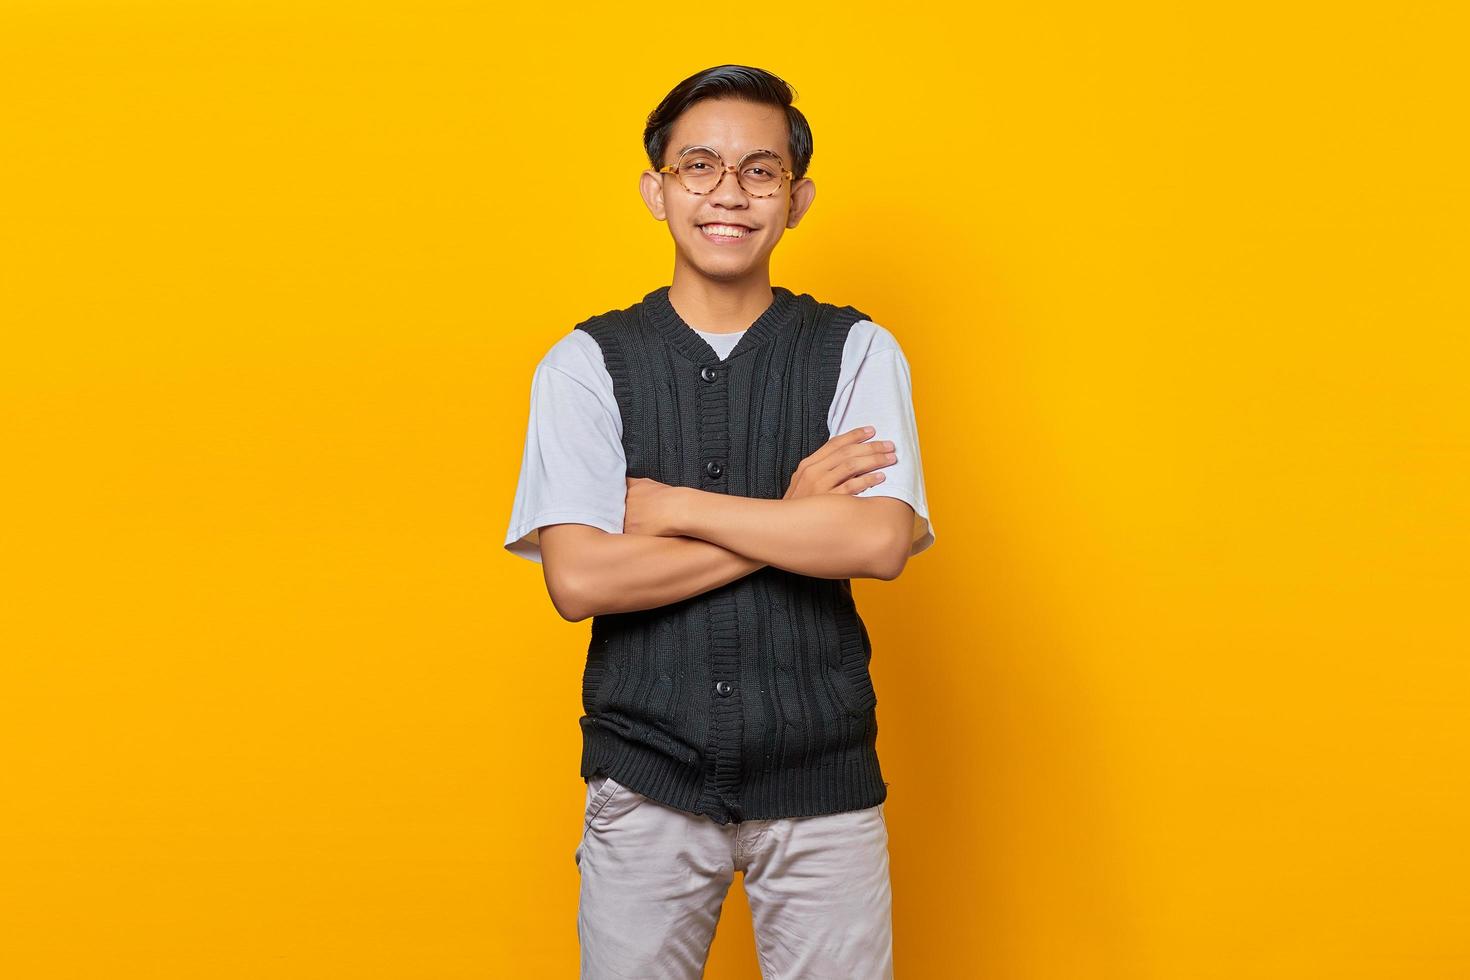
column 654, row 880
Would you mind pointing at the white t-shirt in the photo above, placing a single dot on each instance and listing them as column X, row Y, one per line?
column 573, row 470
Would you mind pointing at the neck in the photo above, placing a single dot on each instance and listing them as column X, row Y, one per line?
column 719, row 306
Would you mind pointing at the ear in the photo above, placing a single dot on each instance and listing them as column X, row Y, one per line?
column 651, row 186
column 803, row 192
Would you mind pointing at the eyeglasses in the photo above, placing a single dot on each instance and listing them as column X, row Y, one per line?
column 700, row 169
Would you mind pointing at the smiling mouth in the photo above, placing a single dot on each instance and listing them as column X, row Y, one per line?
column 717, row 232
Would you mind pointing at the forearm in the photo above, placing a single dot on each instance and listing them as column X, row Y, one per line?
column 625, row 572
column 823, row 535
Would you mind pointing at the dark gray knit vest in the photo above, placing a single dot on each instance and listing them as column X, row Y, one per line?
column 750, row 701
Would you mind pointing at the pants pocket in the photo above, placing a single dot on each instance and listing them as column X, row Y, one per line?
column 601, row 789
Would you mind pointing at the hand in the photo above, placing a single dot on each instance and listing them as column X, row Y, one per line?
column 844, row 464
column 650, row 507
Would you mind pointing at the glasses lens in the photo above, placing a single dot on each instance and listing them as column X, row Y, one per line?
column 699, row 169
column 760, row 174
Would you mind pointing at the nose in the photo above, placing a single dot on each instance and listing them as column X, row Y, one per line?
column 729, row 192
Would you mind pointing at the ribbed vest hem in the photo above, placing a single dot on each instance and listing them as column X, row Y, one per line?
column 846, row 779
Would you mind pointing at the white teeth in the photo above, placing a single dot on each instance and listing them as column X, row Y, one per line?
column 726, row 231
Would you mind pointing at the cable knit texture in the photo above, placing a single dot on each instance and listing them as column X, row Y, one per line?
column 751, row 701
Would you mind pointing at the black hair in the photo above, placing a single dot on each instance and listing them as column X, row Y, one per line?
column 730, row 82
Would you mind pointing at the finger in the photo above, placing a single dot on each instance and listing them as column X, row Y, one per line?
column 851, row 471
column 871, row 453
column 839, row 449
column 859, row 483
column 837, row 442
column 859, row 459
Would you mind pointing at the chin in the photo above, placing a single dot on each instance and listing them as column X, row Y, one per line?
column 719, row 270
column 721, row 273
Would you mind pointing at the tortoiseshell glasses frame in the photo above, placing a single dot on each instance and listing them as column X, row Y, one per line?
column 725, row 168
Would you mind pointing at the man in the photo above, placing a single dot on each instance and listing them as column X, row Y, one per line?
column 701, row 477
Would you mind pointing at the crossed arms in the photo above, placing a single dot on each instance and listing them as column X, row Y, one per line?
column 680, row 542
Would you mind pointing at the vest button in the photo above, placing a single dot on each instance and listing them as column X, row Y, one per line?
column 713, row 468
column 724, row 688
column 708, row 373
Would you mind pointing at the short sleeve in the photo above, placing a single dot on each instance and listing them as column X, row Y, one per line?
column 880, row 393
column 573, row 470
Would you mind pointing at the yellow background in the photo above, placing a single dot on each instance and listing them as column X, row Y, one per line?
column 1181, row 690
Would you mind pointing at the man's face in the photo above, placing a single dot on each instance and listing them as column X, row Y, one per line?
column 731, row 127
